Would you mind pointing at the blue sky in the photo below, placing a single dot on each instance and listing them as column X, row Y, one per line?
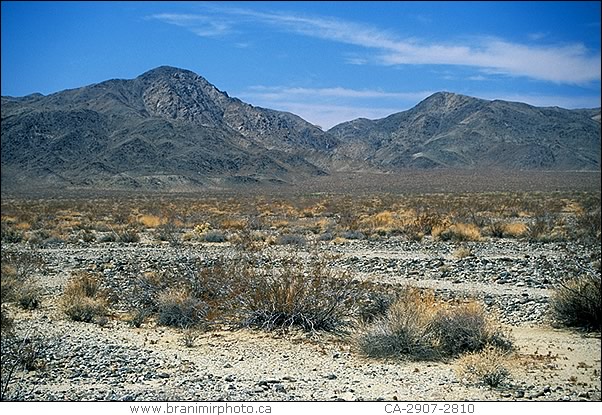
column 325, row 61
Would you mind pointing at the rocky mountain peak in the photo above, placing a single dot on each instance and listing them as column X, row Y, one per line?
column 182, row 95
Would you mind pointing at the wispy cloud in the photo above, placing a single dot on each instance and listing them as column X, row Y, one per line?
column 330, row 106
column 199, row 24
column 280, row 92
column 562, row 64
column 327, row 116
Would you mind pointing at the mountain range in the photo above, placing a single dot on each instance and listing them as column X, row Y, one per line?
column 170, row 128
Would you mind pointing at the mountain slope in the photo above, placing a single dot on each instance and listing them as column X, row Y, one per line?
column 171, row 129
column 166, row 127
column 452, row 130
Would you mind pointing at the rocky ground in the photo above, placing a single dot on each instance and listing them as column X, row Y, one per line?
column 513, row 278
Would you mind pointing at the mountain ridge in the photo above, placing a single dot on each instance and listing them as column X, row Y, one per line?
column 170, row 128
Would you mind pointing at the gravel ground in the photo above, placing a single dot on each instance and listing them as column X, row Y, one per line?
column 118, row 362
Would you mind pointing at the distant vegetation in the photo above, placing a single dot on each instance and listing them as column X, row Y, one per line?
column 296, row 221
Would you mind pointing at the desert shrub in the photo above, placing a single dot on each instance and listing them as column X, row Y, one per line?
column 128, row 236
column 6, row 321
column 9, row 234
column 139, row 316
column 311, row 297
column 29, row 295
column 588, row 223
column 373, row 304
column 82, row 298
column 214, row 236
column 353, row 234
column 462, row 252
column 458, row 232
column 497, row 229
column 404, row 330
column 291, row 239
column 18, row 353
column 465, row 328
column 188, row 337
column 577, row 302
column 541, row 228
column 17, row 282
column 109, row 237
column 490, row 366
column 169, row 232
column 178, row 308
column 417, row 326
column 326, row 236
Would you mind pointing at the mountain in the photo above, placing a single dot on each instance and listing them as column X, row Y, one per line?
column 171, row 129
column 457, row 131
column 167, row 128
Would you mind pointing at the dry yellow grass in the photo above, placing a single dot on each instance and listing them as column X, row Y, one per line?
column 490, row 366
column 23, row 226
column 515, row 229
column 457, row 232
column 237, row 224
column 150, row 221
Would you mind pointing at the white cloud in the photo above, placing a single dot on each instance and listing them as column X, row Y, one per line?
column 330, row 106
column 327, row 116
column 201, row 25
column 279, row 92
column 562, row 64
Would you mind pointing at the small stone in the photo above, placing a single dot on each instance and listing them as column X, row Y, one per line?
column 163, row 375
column 519, row 393
column 331, row 376
column 266, row 382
